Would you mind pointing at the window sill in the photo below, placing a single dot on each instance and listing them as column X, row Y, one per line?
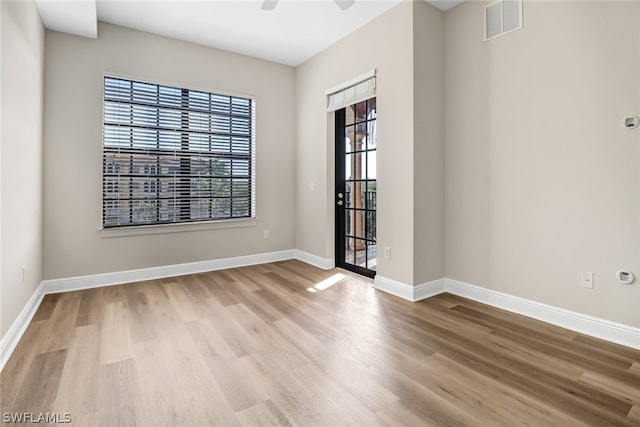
column 141, row 230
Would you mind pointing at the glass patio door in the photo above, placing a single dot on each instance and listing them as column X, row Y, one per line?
column 355, row 190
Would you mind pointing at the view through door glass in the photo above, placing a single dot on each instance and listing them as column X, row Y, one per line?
column 356, row 189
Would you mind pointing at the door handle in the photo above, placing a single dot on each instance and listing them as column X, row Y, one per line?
column 339, row 195
column 339, row 202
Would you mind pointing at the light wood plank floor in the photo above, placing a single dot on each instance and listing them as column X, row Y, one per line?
column 253, row 346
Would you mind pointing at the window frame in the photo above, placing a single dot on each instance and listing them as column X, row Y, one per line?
column 191, row 224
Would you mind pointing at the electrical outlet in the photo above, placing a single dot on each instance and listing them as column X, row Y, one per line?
column 587, row 279
column 387, row 252
column 266, row 234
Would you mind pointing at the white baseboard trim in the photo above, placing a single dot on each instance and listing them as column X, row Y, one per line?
column 429, row 289
column 393, row 287
column 315, row 260
column 583, row 323
column 130, row 276
column 578, row 322
column 408, row 292
column 11, row 338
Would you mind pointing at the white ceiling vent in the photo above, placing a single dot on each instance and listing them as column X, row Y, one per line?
column 502, row 17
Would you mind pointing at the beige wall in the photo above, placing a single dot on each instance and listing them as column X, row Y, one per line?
column 428, row 145
column 21, row 160
column 72, row 157
column 386, row 45
column 541, row 178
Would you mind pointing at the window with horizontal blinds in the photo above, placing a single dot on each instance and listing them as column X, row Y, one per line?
column 175, row 155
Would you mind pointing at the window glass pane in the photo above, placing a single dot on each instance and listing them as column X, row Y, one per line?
column 221, row 187
column 169, row 96
column 144, row 211
column 240, row 187
column 169, row 119
column 241, row 167
column 240, row 207
column 221, row 167
column 200, row 208
column 117, row 113
column 221, row 208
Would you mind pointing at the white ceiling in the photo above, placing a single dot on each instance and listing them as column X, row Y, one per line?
column 290, row 34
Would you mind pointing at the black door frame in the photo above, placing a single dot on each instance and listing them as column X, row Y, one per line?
column 340, row 198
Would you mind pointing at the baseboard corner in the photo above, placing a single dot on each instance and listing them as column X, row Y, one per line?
column 13, row 335
column 315, row 260
column 409, row 292
column 429, row 289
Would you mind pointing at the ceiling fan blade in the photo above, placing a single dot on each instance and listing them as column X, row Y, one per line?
column 269, row 4
column 344, row 4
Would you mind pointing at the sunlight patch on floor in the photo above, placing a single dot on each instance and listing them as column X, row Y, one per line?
column 328, row 282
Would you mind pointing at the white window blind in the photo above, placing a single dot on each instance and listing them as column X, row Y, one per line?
column 174, row 155
column 352, row 92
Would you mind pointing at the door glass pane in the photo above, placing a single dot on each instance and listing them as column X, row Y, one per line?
column 371, row 109
column 347, row 223
column 371, row 164
column 371, row 226
column 360, row 250
column 371, row 195
column 358, row 165
column 371, row 257
column 358, row 224
column 359, row 194
column 348, row 166
column 362, row 259
column 350, row 139
column 348, row 252
column 350, row 115
column 370, row 139
column 361, row 111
